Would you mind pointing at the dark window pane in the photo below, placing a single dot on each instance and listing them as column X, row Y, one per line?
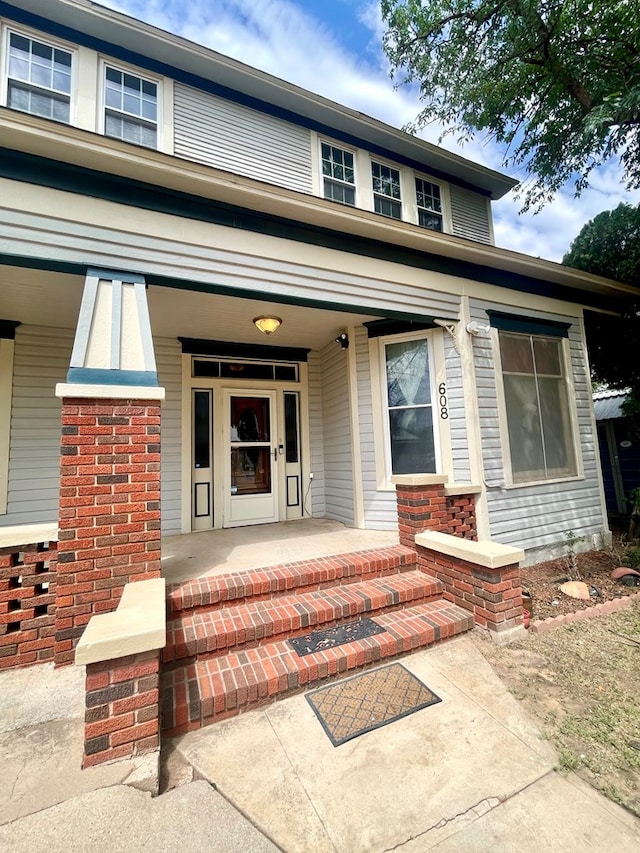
column 206, row 368
column 407, row 373
column 515, row 352
column 556, row 427
column 412, row 445
column 426, row 219
column 291, row 427
column 286, row 372
column 547, row 355
column 525, row 431
column 249, row 370
column 201, row 430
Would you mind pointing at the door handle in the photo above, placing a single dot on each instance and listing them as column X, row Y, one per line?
column 275, row 454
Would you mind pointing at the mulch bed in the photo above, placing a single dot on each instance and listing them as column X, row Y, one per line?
column 543, row 582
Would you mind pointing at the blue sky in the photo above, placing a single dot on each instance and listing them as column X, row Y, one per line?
column 333, row 47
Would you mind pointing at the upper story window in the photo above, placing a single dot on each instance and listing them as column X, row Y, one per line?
column 537, row 404
column 130, row 107
column 429, row 202
column 39, row 78
column 387, row 198
column 338, row 174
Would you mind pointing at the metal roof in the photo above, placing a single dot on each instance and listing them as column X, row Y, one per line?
column 608, row 404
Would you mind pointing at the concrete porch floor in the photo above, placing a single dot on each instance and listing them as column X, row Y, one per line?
column 211, row 552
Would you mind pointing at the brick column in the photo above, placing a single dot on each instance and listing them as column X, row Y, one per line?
column 109, row 508
column 422, row 505
column 122, row 708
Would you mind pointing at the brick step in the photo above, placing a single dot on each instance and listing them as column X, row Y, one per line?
column 257, row 622
column 218, row 591
column 207, row 691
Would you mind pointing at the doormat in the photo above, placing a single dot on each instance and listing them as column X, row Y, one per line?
column 368, row 701
column 318, row 641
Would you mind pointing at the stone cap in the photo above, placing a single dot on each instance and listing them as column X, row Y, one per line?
column 28, row 534
column 452, row 489
column 138, row 625
column 419, row 479
column 110, row 392
column 489, row 555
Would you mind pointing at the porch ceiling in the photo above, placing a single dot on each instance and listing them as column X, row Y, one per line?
column 52, row 299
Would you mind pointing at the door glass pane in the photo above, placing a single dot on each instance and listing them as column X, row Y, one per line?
column 291, row 426
column 201, row 430
column 250, row 470
column 250, row 419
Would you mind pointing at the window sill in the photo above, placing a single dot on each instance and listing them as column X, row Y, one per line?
column 573, row 479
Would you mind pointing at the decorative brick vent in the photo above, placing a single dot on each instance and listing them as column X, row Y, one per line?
column 27, row 604
column 461, row 516
column 122, row 708
column 426, row 506
column 109, row 508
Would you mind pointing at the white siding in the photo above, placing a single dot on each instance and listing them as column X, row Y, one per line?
column 455, row 408
column 470, row 215
column 232, row 137
column 113, row 248
column 536, row 517
column 169, row 363
column 336, row 430
column 380, row 511
column 318, row 506
column 41, row 360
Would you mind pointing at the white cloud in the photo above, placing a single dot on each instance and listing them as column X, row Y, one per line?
column 281, row 38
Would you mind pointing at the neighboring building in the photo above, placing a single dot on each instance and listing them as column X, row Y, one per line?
column 619, row 451
column 140, row 169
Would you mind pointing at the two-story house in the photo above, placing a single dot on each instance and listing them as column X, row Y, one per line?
column 315, row 296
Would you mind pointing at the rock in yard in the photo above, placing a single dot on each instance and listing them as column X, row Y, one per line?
column 576, row 589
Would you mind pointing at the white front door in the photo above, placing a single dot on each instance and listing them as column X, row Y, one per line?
column 251, row 458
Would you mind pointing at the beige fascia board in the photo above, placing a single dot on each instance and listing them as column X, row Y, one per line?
column 109, row 392
column 453, row 489
column 138, row 625
column 28, row 534
column 489, row 555
column 419, row 479
column 40, row 137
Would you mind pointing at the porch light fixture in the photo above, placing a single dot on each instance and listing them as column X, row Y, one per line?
column 343, row 340
column 267, row 324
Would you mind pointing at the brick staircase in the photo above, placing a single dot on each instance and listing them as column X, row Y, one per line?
column 227, row 647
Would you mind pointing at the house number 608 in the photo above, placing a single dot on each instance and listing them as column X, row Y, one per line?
column 442, row 391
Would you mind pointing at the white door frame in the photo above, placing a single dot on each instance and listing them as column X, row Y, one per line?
column 218, row 387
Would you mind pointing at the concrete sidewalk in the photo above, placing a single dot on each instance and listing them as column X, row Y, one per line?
column 468, row 774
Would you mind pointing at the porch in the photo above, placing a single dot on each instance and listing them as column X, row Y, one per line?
column 214, row 552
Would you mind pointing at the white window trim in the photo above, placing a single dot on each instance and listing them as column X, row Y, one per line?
column 381, row 438
column 445, row 200
column 7, row 349
column 323, row 140
column 106, row 62
column 50, row 41
column 504, row 427
column 403, row 198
